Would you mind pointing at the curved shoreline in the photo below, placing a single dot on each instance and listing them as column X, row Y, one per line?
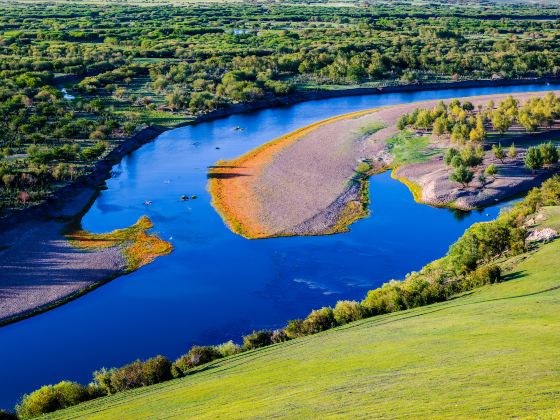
column 258, row 158
column 279, row 189
column 69, row 203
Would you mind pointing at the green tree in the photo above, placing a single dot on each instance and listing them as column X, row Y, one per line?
column 491, row 170
column 462, row 175
column 534, row 159
column 499, row 152
column 450, row 154
column 512, row 151
column 501, row 121
column 440, row 126
column 549, row 153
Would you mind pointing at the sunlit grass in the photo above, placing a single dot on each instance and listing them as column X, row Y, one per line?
column 491, row 353
column 407, row 148
column 138, row 247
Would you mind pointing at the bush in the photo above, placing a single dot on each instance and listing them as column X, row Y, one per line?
column 279, row 336
column 319, row 320
column 347, row 311
column 488, row 274
column 133, row 375
column 228, row 349
column 128, row 377
column 450, row 154
column 50, row 398
column 257, row 339
column 197, row 355
column 156, row 370
column 93, row 152
column 294, row 328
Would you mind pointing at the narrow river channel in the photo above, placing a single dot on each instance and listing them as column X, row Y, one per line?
column 216, row 285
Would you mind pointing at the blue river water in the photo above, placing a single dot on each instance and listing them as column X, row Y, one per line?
column 216, row 286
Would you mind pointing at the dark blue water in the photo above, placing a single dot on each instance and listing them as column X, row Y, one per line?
column 216, row 285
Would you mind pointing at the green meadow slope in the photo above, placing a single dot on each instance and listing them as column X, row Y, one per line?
column 491, row 353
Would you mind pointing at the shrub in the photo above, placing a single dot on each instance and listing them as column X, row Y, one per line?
column 102, row 379
column 450, row 154
column 347, row 311
column 549, row 153
column 534, row 159
column 319, row 320
column 197, row 355
column 257, row 339
column 156, row 370
column 279, row 336
column 462, row 175
column 228, row 349
column 487, row 274
column 50, row 398
column 384, row 299
column 133, row 375
column 294, row 328
column 128, row 377
column 93, row 152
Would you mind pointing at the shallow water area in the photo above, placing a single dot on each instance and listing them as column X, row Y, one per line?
column 216, row 285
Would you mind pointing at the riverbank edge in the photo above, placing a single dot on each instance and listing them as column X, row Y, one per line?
column 68, row 204
column 263, row 153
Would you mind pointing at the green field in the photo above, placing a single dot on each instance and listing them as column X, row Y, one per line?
column 492, row 353
column 408, row 148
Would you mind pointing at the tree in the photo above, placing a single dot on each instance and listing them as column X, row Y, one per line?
column 482, row 179
column 499, row 152
column 440, row 126
column 549, row 153
column 450, row 154
column 534, row 159
column 462, row 175
column 478, row 134
column 491, row 170
column 501, row 121
column 512, row 151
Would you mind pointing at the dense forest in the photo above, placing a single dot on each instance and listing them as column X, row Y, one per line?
column 125, row 66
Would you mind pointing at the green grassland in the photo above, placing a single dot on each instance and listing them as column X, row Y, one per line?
column 491, row 353
column 408, row 148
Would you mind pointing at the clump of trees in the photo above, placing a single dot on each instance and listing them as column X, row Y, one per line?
column 546, row 154
column 462, row 123
column 470, row 263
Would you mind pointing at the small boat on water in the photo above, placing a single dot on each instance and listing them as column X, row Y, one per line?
column 148, row 203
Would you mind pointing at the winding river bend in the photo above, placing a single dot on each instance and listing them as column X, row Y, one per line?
column 216, row 285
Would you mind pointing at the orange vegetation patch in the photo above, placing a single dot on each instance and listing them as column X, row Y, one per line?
column 231, row 181
column 138, row 247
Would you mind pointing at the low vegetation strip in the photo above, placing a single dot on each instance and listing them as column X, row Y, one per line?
column 477, row 259
column 490, row 353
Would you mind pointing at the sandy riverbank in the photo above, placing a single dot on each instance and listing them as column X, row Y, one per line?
column 302, row 183
column 43, row 264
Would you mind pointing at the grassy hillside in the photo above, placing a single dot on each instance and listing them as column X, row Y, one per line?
column 491, row 353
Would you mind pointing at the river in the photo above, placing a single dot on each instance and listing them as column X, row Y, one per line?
column 216, row 286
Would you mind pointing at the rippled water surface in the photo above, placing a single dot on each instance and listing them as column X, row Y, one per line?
column 216, row 285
